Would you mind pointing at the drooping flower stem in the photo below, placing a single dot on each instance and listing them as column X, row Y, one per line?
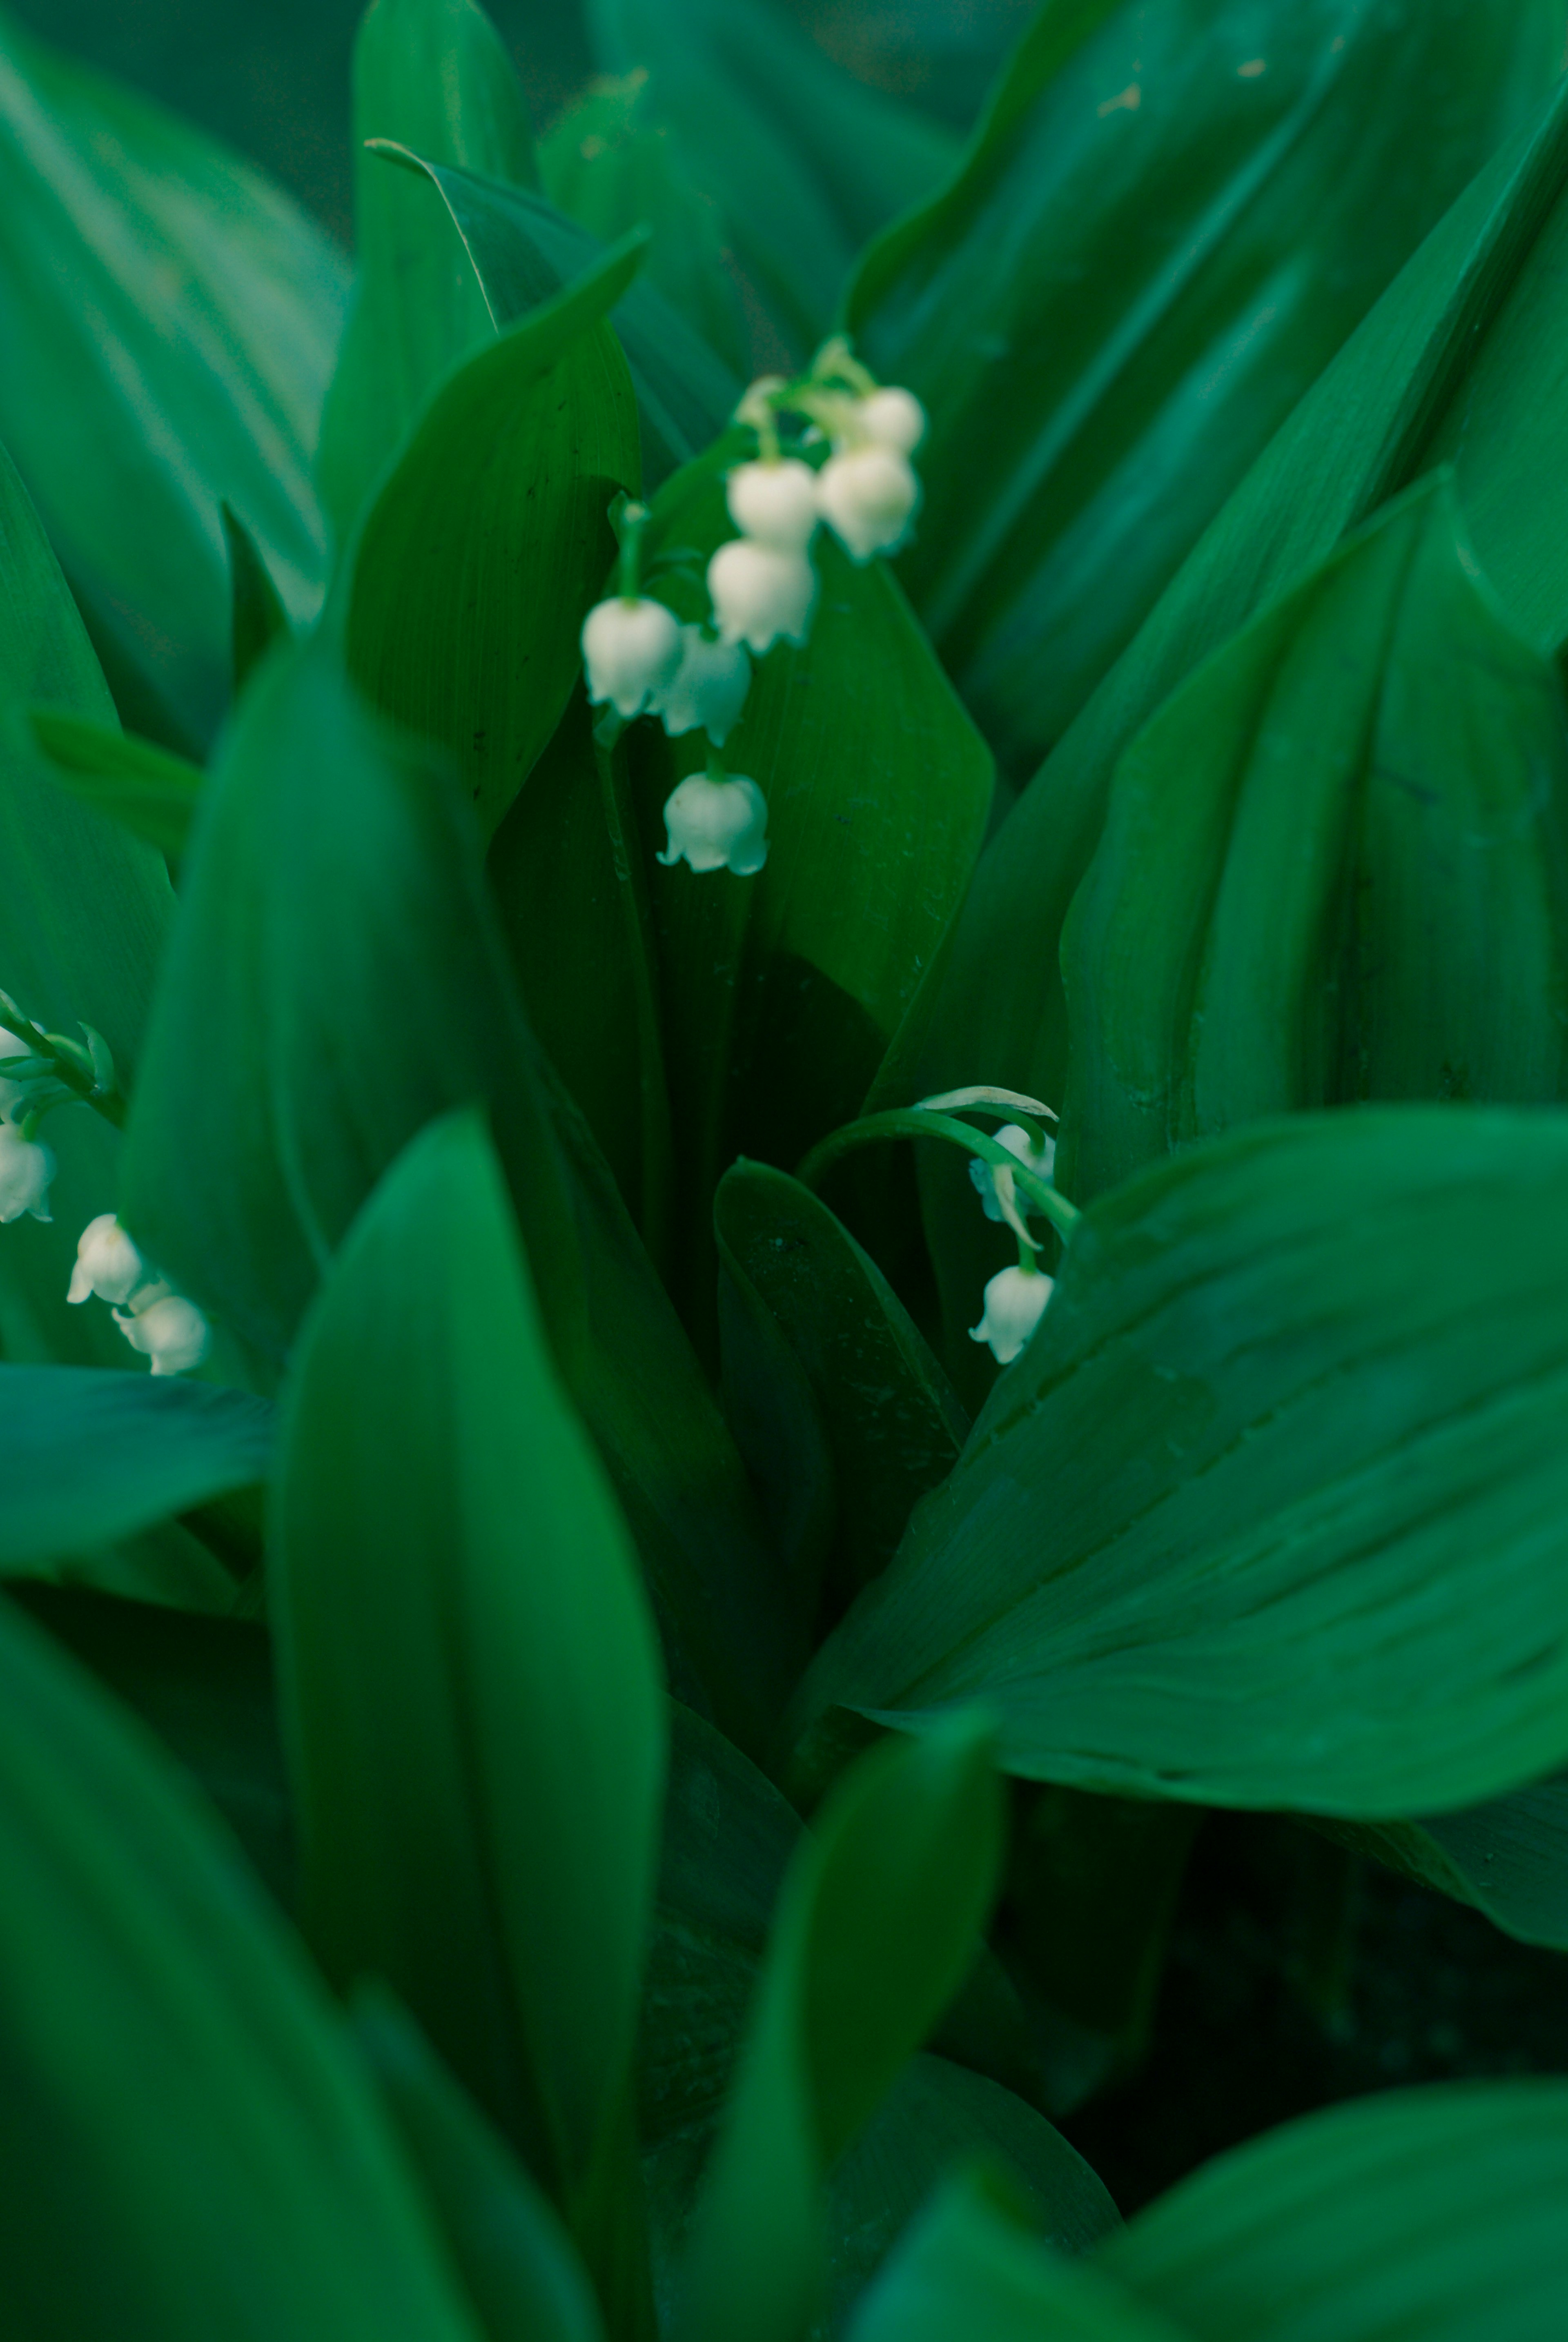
column 920, row 1122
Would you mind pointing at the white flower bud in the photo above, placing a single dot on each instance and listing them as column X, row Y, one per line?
column 708, row 689
column 997, row 1188
column 775, row 503
column 1015, row 1302
column 760, row 594
column 868, row 497
column 107, row 1263
column 12, row 1094
column 170, row 1330
column 26, row 1168
column 631, row 649
column 718, row 825
column 893, row 418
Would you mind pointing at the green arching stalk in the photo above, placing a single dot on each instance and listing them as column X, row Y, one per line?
column 917, row 1122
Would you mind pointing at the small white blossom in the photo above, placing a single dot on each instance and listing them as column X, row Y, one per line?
column 708, row 689
column 1015, row 1302
column 760, row 594
column 168, row 1329
column 868, row 497
column 12, row 1094
column 893, row 418
column 107, row 1263
column 775, row 503
column 718, row 825
column 998, row 1190
column 26, row 1168
column 631, row 649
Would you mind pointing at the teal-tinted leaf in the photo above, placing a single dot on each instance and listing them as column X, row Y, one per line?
column 1335, row 867
column 781, row 991
column 1434, row 2212
column 802, row 161
column 523, row 253
column 204, row 1686
column 148, row 1999
column 86, row 1457
column 435, row 74
column 468, row 1666
column 1269, row 1513
column 517, row 2261
column 488, row 542
column 1169, row 224
column 970, row 2265
column 258, row 617
column 149, row 792
column 1508, row 1858
column 168, row 320
column 893, row 1428
column 876, row 1926
column 608, row 168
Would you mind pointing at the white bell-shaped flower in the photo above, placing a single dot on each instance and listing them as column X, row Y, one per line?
column 718, row 825
column 775, row 503
column 999, row 1193
column 893, row 418
column 170, row 1330
column 26, row 1168
column 1015, row 1302
column 868, row 496
column 708, row 688
column 631, row 649
column 760, row 595
column 107, row 1263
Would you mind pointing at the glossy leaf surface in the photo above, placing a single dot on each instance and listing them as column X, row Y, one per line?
column 1335, row 867
column 488, row 542
column 150, row 792
column 150, row 1999
column 169, row 319
column 469, row 1670
column 1269, row 1511
column 1436, row 2212
column 1169, row 224
column 433, row 74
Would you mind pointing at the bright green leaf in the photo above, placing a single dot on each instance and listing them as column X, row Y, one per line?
column 258, row 617
column 152, row 793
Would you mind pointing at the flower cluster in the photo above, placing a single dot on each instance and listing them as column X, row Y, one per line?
column 761, row 585
column 153, row 1319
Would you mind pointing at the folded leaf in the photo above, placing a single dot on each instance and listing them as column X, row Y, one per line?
column 435, row 75
column 1268, row 1514
column 1509, row 1858
column 1335, row 867
column 149, row 1998
column 1436, row 2212
column 258, row 616
column 152, row 793
column 170, row 320
column 1169, row 223
column 488, row 542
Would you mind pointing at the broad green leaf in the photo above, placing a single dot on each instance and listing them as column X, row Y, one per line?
column 149, row 1999
column 1509, row 1858
column 1436, row 2212
column 435, row 74
column 257, row 614
column 1168, row 224
column 892, row 1423
column 488, row 542
column 874, row 1928
column 803, row 161
column 83, row 919
column 1269, row 1512
column 86, row 1456
column 205, row 1688
column 782, row 991
column 971, row 2266
column 337, row 981
column 1335, row 867
column 517, row 2261
column 468, row 1668
column 149, row 792
column 605, row 164
column 168, row 319
column 523, row 253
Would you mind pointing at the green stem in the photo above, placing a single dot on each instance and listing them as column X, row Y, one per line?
column 915, row 1121
column 657, row 1148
